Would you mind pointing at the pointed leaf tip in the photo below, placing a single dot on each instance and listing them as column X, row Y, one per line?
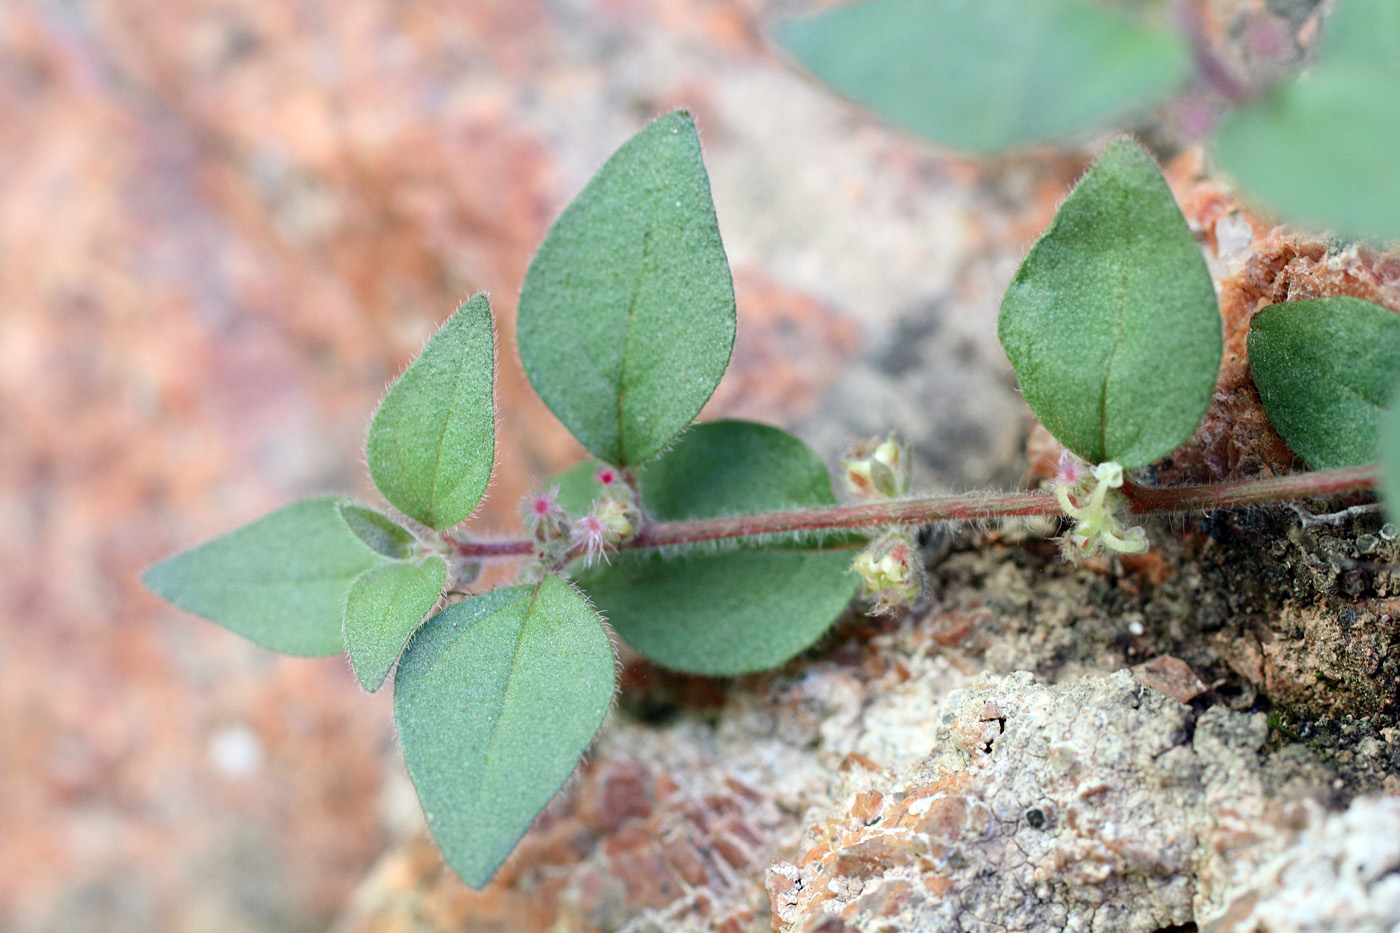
column 279, row 581
column 627, row 316
column 431, row 445
column 1111, row 323
column 496, row 698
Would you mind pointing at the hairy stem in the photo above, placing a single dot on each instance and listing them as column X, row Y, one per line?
column 928, row 511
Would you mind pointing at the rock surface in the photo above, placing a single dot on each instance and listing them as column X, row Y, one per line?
column 1087, row 806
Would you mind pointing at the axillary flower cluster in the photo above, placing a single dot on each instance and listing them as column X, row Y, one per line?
column 888, row 568
column 559, row 538
column 1090, row 497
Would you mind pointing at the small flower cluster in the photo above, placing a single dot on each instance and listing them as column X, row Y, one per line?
column 611, row 519
column 1089, row 496
column 889, row 571
column 877, row 469
column 888, row 568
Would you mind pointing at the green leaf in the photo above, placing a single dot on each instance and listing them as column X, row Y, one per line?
column 736, row 611
column 577, row 487
column 1363, row 32
column 1388, row 453
column 627, row 314
column 495, row 699
column 432, row 442
column 279, row 582
column 717, row 468
column 380, row 533
column 987, row 75
column 1111, row 322
column 1323, row 152
column 733, row 468
column 722, row 614
column 383, row 608
column 1325, row 369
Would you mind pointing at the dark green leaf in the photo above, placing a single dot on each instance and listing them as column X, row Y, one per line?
column 377, row 531
column 495, row 699
column 733, row 468
column 717, row 468
column 1325, row 369
column 722, row 614
column 383, row 608
column 432, row 442
column 577, row 487
column 279, row 581
column 1111, row 322
column 627, row 315
column 736, row 611
column 987, row 75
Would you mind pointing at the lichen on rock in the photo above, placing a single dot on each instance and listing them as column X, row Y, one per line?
column 1081, row 806
column 1341, row 872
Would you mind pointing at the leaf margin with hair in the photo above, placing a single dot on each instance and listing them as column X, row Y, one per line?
column 431, row 443
column 626, row 357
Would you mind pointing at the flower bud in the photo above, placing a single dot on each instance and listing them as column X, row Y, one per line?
column 877, row 468
column 888, row 571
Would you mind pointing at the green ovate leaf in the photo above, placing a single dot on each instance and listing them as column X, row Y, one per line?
column 380, row 533
column 1325, row 369
column 987, row 75
column 496, row 698
column 279, row 581
column 627, row 314
column 432, row 442
column 383, row 608
column 1325, row 150
column 735, row 611
column 1111, row 322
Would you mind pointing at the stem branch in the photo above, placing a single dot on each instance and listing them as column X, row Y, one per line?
column 927, row 511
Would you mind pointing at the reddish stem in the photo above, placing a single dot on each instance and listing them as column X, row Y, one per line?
column 1144, row 501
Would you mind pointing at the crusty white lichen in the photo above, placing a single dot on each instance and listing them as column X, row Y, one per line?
column 1092, row 805
column 1340, row 873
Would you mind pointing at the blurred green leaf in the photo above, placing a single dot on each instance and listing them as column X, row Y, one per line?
column 496, row 698
column 1112, row 323
column 384, row 606
column 1388, row 453
column 735, row 611
column 1325, row 369
column 627, row 316
column 988, row 75
column 1325, row 150
column 279, row 581
column 1363, row 32
column 431, row 444
column 380, row 533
